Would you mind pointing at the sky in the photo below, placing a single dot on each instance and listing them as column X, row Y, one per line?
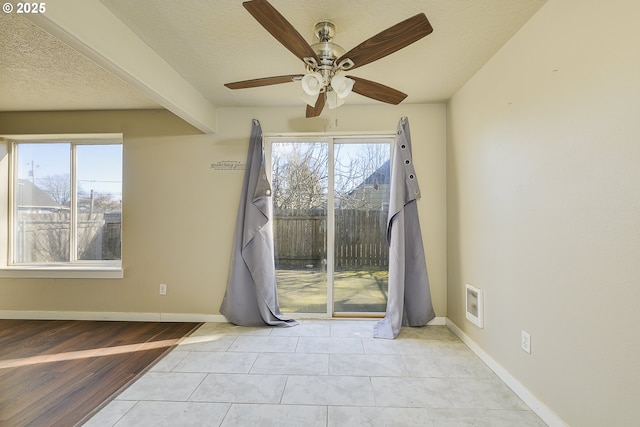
column 99, row 167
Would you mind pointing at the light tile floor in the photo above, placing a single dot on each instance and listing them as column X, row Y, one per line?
column 319, row 373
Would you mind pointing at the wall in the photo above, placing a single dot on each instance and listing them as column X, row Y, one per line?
column 179, row 213
column 543, row 190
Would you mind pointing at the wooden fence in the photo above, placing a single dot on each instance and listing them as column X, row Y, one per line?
column 300, row 238
column 45, row 237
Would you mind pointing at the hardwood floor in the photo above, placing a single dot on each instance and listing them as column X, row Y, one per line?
column 58, row 373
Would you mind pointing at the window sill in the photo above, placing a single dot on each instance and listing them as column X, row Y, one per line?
column 66, row 272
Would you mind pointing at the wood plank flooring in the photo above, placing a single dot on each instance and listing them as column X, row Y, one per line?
column 58, row 373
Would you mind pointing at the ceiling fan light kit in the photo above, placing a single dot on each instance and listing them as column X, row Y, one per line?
column 310, row 100
column 313, row 83
column 342, row 85
column 326, row 61
column 333, row 100
column 337, row 88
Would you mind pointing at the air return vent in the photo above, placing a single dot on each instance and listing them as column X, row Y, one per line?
column 475, row 305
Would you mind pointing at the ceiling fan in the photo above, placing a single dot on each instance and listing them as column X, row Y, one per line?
column 326, row 62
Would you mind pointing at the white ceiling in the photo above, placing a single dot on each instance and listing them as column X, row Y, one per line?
column 202, row 44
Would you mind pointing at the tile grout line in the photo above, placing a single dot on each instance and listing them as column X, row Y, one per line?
column 286, row 381
column 125, row 413
column 226, row 413
column 327, row 418
column 198, row 386
column 253, row 364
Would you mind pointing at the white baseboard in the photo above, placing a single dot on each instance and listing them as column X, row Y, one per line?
column 438, row 321
column 112, row 316
column 144, row 317
column 542, row 410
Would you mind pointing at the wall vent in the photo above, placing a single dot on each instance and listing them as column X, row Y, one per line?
column 475, row 305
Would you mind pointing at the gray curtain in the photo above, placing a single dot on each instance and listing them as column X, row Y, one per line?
column 251, row 298
column 409, row 297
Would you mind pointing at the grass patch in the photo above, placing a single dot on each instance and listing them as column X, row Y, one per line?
column 355, row 290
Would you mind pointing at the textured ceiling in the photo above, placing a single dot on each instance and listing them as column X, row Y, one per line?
column 212, row 42
column 40, row 73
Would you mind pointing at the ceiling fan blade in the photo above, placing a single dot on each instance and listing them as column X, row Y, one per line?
column 377, row 91
column 265, row 81
column 280, row 28
column 389, row 41
column 317, row 109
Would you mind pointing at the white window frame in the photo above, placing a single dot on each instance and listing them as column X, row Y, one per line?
column 331, row 139
column 74, row 268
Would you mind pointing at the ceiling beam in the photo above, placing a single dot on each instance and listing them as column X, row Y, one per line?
column 93, row 30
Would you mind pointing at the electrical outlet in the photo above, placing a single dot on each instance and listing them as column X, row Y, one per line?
column 163, row 289
column 525, row 341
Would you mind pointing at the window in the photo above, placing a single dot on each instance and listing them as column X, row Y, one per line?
column 65, row 209
column 330, row 205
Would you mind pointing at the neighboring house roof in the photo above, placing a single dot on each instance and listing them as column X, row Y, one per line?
column 380, row 176
column 373, row 192
column 31, row 196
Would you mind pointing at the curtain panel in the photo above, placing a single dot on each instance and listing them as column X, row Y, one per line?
column 251, row 298
column 409, row 297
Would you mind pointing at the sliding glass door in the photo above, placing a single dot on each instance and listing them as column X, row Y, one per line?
column 299, row 180
column 361, row 203
column 330, row 204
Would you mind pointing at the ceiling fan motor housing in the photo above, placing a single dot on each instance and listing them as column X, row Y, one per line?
column 327, row 52
column 325, row 31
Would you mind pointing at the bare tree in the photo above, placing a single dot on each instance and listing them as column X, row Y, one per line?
column 359, row 174
column 94, row 202
column 300, row 172
column 299, row 176
column 58, row 187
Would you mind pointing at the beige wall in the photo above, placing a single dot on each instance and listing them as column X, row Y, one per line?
column 543, row 189
column 179, row 214
column 134, row 123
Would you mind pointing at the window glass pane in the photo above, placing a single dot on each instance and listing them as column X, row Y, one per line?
column 299, row 185
column 43, row 196
column 99, row 213
column 361, row 206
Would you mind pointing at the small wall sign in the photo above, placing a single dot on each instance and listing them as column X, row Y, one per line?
column 228, row 165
